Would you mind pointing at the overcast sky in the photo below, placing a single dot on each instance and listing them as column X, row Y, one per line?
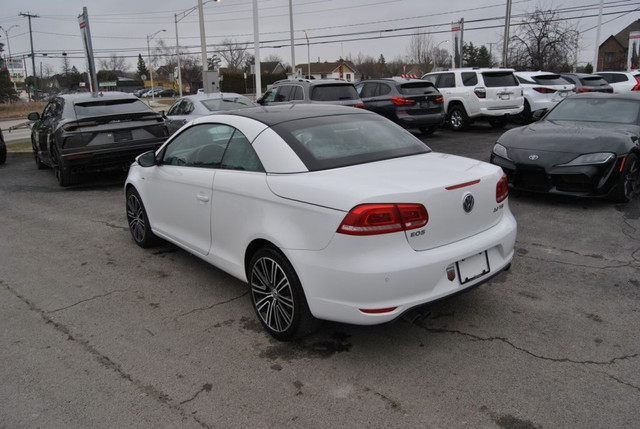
column 336, row 28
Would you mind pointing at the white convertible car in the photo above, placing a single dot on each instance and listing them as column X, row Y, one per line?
column 328, row 212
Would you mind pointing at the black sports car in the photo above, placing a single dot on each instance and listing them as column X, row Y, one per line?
column 81, row 132
column 586, row 146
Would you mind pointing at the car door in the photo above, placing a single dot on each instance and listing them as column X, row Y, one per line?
column 180, row 187
column 45, row 127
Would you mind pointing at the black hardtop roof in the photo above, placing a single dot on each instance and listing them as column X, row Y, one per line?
column 272, row 115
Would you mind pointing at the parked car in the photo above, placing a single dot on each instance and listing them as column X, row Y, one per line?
column 152, row 93
column 320, row 91
column 3, row 149
column 166, row 92
column 190, row 107
column 478, row 93
column 588, row 82
column 622, row 81
column 140, row 92
column 301, row 190
column 587, row 146
column 411, row 103
column 542, row 91
column 80, row 132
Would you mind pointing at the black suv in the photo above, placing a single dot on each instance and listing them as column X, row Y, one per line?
column 411, row 103
column 325, row 91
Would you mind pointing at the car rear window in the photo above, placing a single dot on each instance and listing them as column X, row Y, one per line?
column 494, row 79
column 549, row 79
column 326, row 142
column 110, row 107
column 417, row 88
column 596, row 110
column 218, row 104
column 593, row 81
column 334, row 92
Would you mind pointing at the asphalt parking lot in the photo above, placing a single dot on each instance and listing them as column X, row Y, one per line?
column 97, row 332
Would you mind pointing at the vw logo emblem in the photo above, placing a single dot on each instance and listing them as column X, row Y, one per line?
column 533, row 157
column 467, row 203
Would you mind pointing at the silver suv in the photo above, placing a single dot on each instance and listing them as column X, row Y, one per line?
column 326, row 91
column 478, row 93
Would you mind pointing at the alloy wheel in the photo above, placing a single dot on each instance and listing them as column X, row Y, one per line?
column 272, row 294
column 135, row 216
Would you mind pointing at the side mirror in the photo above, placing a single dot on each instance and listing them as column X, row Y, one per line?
column 538, row 114
column 147, row 159
column 33, row 116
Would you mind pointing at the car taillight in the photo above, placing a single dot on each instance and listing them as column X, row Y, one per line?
column 543, row 90
column 360, row 106
column 440, row 99
column 372, row 219
column 401, row 101
column 480, row 92
column 637, row 87
column 585, row 89
column 72, row 126
column 502, row 190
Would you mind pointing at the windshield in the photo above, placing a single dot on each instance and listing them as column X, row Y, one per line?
column 337, row 141
column 417, row 88
column 550, row 79
column 217, row 104
column 596, row 110
column 111, row 107
column 494, row 79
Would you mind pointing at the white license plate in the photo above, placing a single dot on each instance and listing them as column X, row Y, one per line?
column 504, row 96
column 473, row 267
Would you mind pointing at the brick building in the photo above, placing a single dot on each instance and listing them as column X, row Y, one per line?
column 612, row 53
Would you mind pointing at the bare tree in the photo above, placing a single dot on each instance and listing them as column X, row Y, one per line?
column 441, row 58
column 542, row 41
column 420, row 50
column 114, row 63
column 234, row 53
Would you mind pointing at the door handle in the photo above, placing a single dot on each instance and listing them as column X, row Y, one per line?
column 202, row 197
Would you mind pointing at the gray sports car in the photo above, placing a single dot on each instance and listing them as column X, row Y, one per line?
column 586, row 146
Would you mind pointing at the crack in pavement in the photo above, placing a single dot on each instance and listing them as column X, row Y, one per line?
column 212, row 305
column 573, row 252
column 623, row 382
column 86, row 300
column 205, row 388
column 160, row 397
column 506, row 341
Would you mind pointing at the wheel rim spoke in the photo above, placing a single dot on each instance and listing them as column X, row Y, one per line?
column 272, row 294
column 135, row 215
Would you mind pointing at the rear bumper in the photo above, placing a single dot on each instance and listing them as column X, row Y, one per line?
column 340, row 281
column 408, row 120
column 496, row 113
column 103, row 158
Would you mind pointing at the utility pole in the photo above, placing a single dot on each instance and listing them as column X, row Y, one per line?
column 293, row 46
column 505, row 42
column 33, row 57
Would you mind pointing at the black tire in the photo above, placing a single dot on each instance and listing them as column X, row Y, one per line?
column 138, row 221
column 428, row 130
column 629, row 182
column 64, row 177
column 498, row 123
column 3, row 152
column 524, row 117
column 39, row 163
column 277, row 296
column 458, row 119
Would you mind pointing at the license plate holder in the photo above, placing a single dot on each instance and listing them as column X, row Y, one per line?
column 504, row 96
column 473, row 267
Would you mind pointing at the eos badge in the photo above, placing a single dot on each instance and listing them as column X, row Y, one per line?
column 468, row 202
column 533, row 157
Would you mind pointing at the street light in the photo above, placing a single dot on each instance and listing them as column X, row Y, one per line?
column 184, row 14
column 149, row 37
column 308, row 55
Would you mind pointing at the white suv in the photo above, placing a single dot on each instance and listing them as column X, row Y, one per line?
column 542, row 91
column 622, row 81
column 478, row 93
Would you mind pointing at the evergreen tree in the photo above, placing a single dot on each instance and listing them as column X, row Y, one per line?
column 484, row 58
column 7, row 93
column 142, row 68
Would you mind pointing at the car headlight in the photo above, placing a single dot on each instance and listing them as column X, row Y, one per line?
column 592, row 158
column 500, row 150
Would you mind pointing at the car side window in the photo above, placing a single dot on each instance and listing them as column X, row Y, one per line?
column 297, row 93
column 187, row 107
column 50, row 110
column 269, row 96
column 446, row 80
column 369, row 90
column 383, row 89
column 284, row 93
column 431, row 78
column 176, row 109
column 469, row 78
column 240, row 154
column 199, row 146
